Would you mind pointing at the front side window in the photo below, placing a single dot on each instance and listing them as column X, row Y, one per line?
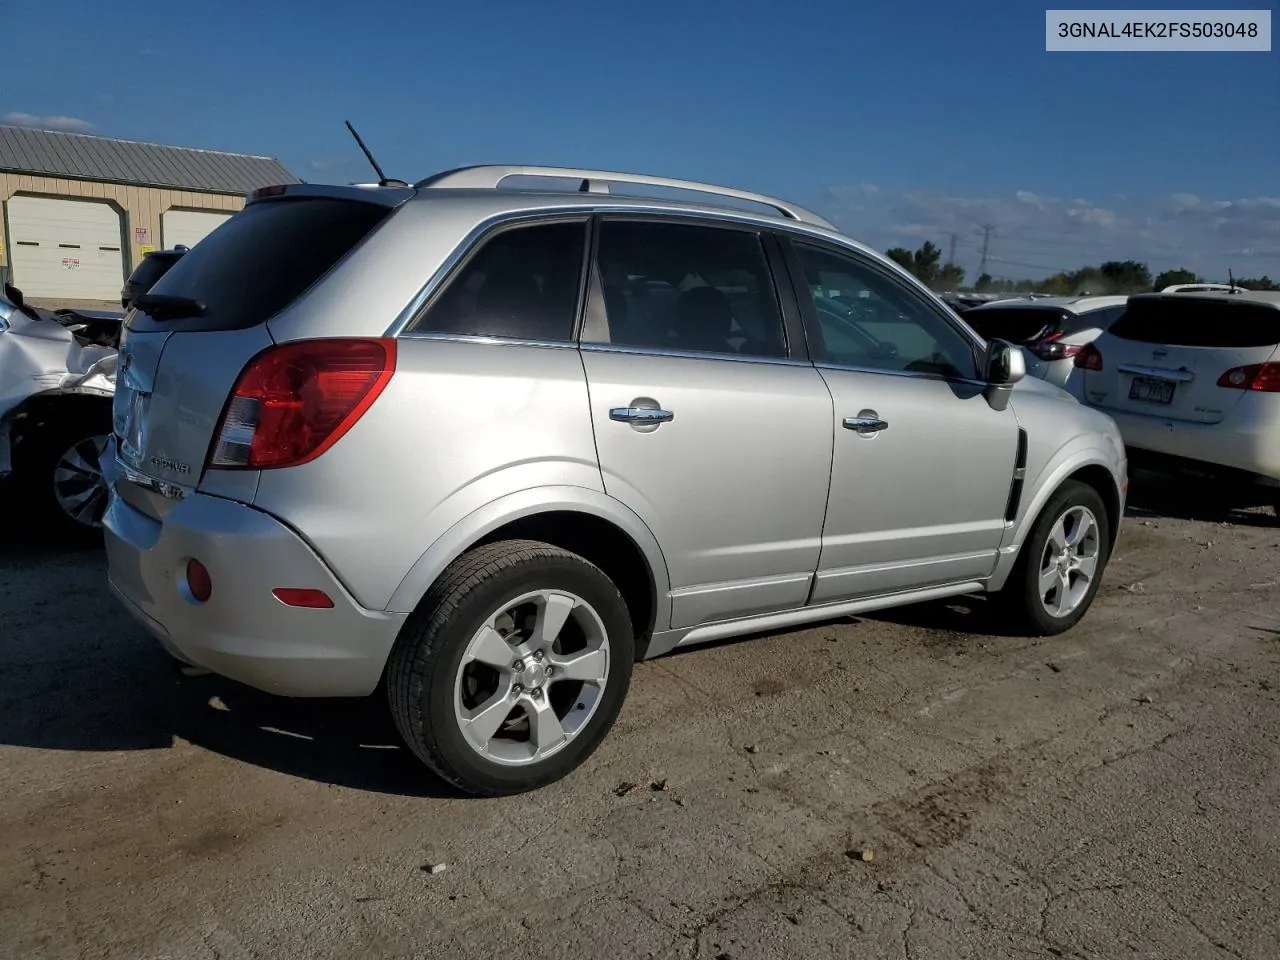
column 686, row 287
column 522, row 283
column 868, row 319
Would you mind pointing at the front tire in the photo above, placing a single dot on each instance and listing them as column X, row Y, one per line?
column 1060, row 567
column 513, row 668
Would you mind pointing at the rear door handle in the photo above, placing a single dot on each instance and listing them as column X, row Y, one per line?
column 641, row 415
column 865, row 424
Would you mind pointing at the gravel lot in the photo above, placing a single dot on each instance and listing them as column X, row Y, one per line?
column 1111, row 793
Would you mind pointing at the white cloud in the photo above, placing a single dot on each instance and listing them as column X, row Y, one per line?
column 64, row 124
column 1036, row 233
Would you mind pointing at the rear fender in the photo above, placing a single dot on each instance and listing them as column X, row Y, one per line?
column 527, row 503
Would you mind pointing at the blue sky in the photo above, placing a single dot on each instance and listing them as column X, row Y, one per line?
column 903, row 122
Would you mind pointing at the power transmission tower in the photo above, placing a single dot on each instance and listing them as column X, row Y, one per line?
column 951, row 252
column 986, row 239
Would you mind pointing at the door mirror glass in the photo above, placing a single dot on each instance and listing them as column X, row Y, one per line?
column 1006, row 364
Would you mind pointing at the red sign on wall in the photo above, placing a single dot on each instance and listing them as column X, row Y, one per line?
column 141, row 235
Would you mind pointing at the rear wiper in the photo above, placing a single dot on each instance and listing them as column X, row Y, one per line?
column 160, row 306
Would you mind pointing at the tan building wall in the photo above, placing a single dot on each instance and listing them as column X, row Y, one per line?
column 141, row 206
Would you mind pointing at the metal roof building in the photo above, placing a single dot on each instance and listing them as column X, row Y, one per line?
column 80, row 211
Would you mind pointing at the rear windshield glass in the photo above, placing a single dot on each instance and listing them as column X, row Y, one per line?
column 1184, row 321
column 263, row 258
column 1015, row 324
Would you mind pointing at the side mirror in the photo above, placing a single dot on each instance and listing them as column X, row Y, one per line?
column 1005, row 366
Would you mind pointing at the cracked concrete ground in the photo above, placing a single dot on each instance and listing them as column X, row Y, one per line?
column 1111, row 793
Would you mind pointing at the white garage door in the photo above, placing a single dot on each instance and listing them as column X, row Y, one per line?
column 65, row 248
column 188, row 227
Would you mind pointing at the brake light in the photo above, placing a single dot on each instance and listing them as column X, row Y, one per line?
column 294, row 401
column 272, row 191
column 1264, row 377
column 1089, row 358
column 1051, row 347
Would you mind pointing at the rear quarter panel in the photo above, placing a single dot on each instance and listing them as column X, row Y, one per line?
column 460, row 425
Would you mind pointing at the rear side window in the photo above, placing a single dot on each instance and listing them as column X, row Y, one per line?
column 688, row 287
column 522, row 283
column 263, row 258
column 1015, row 324
column 1182, row 321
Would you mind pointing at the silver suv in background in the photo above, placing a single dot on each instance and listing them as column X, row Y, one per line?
column 484, row 447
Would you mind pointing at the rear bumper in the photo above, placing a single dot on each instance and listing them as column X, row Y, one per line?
column 1242, row 442
column 242, row 631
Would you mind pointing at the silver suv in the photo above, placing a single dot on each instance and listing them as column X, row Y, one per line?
column 485, row 447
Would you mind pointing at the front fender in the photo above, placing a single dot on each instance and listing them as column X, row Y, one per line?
column 526, row 503
column 1076, row 454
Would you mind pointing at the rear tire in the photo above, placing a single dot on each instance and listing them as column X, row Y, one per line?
column 513, row 668
column 1047, row 593
column 59, row 476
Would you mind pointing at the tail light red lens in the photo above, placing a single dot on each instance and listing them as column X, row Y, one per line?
column 303, row 597
column 295, row 401
column 1264, row 377
column 1089, row 358
column 1051, row 347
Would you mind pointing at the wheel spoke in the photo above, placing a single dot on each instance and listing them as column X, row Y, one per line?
column 1048, row 580
column 589, row 666
column 1084, row 525
column 1058, row 536
column 1086, row 567
column 1064, row 594
column 553, row 611
column 481, row 724
column 490, row 648
column 545, row 730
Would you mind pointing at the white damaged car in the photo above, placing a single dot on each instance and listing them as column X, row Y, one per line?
column 57, row 380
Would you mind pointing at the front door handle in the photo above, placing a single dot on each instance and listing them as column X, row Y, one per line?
column 865, row 424
column 641, row 415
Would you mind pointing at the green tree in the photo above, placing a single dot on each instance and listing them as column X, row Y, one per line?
column 1260, row 283
column 1171, row 277
column 925, row 262
column 983, row 283
column 950, row 276
column 902, row 257
column 1125, row 276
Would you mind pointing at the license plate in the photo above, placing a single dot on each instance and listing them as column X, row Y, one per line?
column 1151, row 390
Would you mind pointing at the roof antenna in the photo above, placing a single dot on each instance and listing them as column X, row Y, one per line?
column 383, row 180
column 1231, row 280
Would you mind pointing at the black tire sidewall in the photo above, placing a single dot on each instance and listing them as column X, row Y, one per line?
column 34, row 467
column 565, row 572
column 1070, row 494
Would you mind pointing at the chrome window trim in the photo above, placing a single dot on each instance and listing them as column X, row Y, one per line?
column 486, row 340
column 673, row 210
column 912, row 374
column 691, row 354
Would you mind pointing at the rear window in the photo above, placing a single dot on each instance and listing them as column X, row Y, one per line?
column 1015, row 324
column 1182, row 321
column 263, row 258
